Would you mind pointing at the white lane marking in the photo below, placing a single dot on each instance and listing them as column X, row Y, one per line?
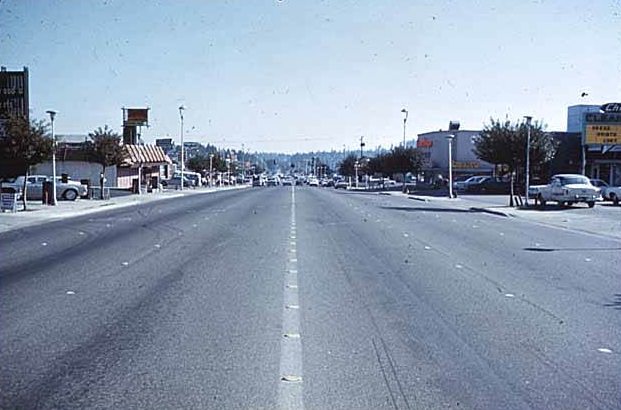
column 509, row 295
column 427, row 248
column 458, row 266
column 587, row 259
column 194, row 226
column 157, row 245
column 80, row 233
column 125, row 263
column 405, row 235
column 43, row 243
column 290, row 393
column 604, row 350
column 502, row 234
column 108, row 225
column 70, row 292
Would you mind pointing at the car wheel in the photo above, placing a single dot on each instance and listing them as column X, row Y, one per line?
column 614, row 199
column 70, row 195
column 542, row 202
column 591, row 204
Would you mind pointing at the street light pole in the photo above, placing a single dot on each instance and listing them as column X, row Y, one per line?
column 52, row 115
column 181, row 108
column 405, row 120
column 210, row 170
column 356, row 165
column 450, row 138
column 527, row 171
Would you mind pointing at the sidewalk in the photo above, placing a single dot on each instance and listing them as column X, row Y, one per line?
column 603, row 220
column 38, row 213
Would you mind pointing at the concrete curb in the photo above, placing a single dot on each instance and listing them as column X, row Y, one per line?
column 490, row 211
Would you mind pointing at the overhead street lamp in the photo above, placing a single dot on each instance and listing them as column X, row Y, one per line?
column 405, row 120
column 52, row 115
column 181, row 108
column 450, row 138
column 527, row 171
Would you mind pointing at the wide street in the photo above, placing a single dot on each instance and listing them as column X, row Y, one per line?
column 308, row 298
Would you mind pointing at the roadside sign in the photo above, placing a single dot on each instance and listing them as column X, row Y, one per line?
column 8, row 201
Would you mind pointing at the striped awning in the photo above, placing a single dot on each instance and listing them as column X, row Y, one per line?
column 145, row 155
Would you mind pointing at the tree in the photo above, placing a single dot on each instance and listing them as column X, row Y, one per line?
column 23, row 145
column 347, row 166
column 504, row 144
column 402, row 160
column 198, row 164
column 105, row 149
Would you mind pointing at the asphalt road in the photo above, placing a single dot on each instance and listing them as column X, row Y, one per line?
column 281, row 297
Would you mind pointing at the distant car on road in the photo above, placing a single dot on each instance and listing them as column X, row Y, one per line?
column 340, row 184
column 313, row 181
column 288, row 181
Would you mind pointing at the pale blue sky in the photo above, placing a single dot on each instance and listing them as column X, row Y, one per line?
column 298, row 75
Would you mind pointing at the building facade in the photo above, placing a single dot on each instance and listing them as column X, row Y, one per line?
column 434, row 147
column 600, row 129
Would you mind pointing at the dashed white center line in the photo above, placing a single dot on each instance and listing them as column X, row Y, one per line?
column 290, row 395
column 604, row 350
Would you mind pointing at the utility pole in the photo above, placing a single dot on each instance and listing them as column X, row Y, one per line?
column 527, row 171
column 52, row 115
column 181, row 108
column 361, row 145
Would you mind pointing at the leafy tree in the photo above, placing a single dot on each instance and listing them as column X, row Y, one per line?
column 346, row 167
column 105, row 149
column 23, row 145
column 400, row 160
column 504, row 144
column 198, row 164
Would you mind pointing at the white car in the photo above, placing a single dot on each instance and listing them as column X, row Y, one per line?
column 313, row 182
column 567, row 189
column 69, row 190
column 613, row 194
column 463, row 185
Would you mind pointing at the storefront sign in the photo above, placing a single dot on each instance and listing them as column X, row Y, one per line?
column 611, row 108
column 424, row 144
column 466, row 164
column 609, row 134
column 13, row 94
column 8, row 201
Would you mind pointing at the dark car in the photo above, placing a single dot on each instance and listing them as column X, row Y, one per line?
column 489, row 185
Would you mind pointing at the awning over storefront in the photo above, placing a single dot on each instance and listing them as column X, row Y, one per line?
column 144, row 155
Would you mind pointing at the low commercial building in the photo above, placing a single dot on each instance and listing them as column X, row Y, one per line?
column 434, row 147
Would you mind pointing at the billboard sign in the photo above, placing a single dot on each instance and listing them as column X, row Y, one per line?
column 603, row 129
column 136, row 116
column 13, row 94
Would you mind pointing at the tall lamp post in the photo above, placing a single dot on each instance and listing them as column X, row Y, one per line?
column 405, row 120
column 181, row 108
column 210, row 170
column 450, row 138
column 527, row 170
column 356, row 166
column 52, row 115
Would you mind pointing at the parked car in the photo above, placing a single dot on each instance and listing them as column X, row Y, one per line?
column 340, row 184
column 288, row 181
column 568, row 189
column 463, row 184
column 489, row 185
column 313, row 181
column 601, row 185
column 613, row 194
column 70, row 190
column 175, row 182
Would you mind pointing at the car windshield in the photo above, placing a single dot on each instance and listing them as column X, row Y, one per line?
column 574, row 180
column 370, row 216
